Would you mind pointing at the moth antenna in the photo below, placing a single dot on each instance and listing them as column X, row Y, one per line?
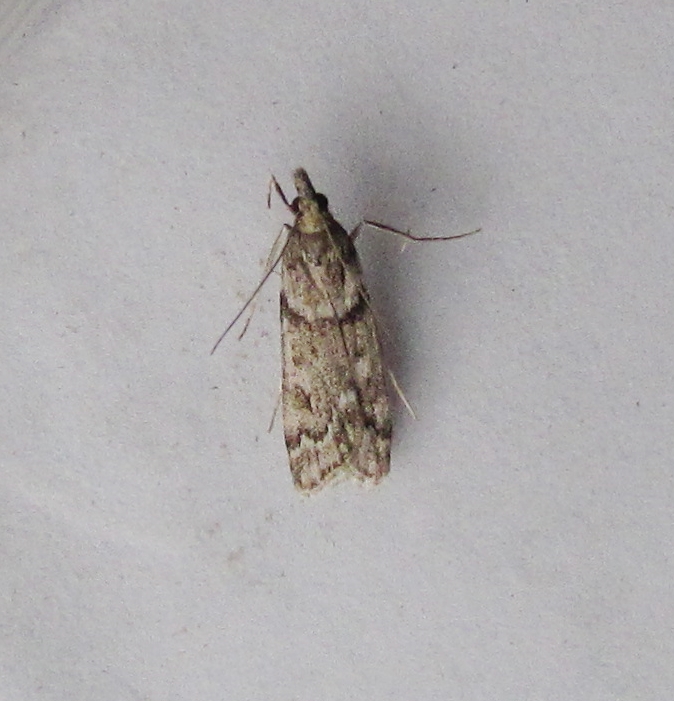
column 273, row 184
column 407, row 235
column 265, row 277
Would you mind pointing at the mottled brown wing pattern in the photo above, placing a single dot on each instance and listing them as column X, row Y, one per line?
column 336, row 411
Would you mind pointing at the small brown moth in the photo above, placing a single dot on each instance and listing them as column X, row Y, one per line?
column 336, row 411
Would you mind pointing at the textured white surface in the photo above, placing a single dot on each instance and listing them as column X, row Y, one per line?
column 152, row 544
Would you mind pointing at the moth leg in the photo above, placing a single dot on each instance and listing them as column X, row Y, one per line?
column 399, row 392
column 355, row 232
column 276, row 406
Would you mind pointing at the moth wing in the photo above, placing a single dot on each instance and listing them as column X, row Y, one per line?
column 337, row 418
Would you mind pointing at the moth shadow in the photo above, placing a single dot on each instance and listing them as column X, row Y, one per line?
column 390, row 283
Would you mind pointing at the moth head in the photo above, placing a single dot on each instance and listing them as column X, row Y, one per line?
column 311, row 210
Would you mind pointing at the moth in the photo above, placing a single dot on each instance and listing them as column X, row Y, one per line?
column 337, row 416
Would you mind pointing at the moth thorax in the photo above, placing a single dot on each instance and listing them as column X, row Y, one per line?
column 312, row 218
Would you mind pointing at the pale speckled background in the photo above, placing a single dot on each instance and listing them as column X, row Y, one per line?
column 152, row 544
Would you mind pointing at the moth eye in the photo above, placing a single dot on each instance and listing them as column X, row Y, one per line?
column 322, row 202
column 295, row 205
